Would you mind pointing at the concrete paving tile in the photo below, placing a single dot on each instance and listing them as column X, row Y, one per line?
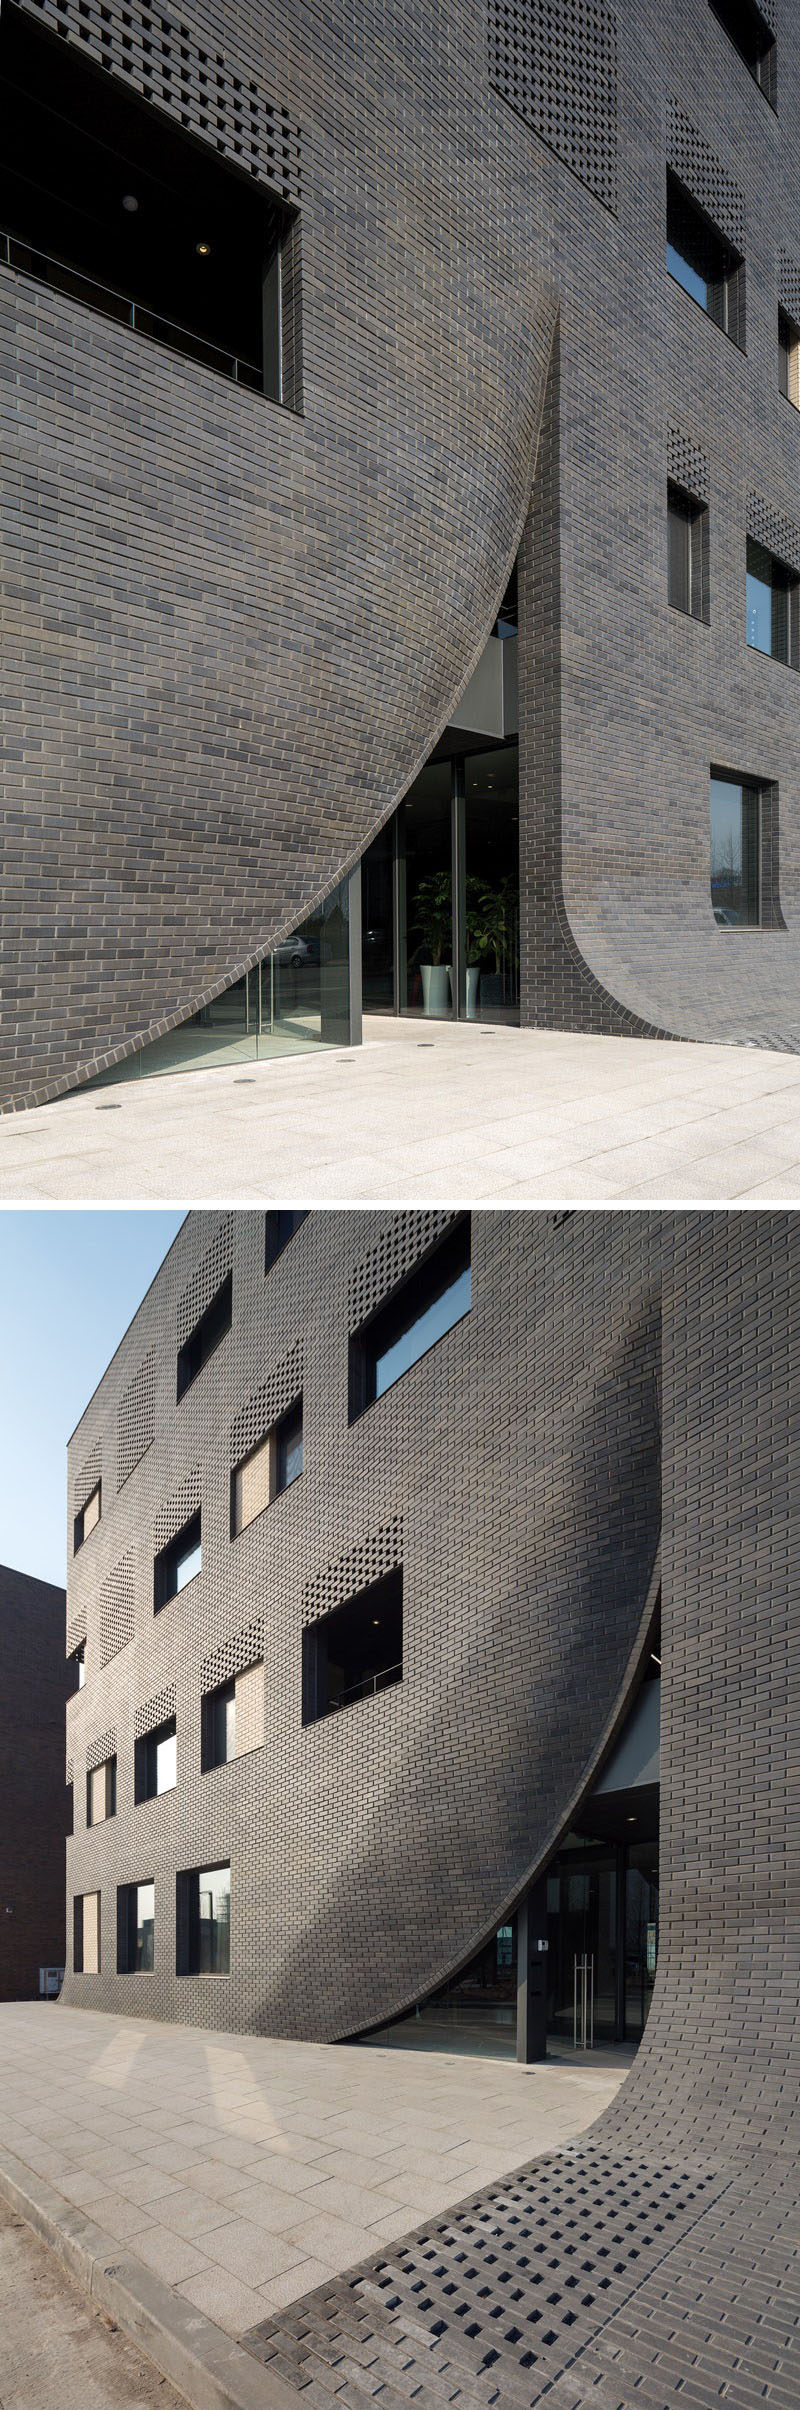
column 122, row 2218
column 275, row 2211
column 169, row 2255
column 359, row 2204
column 303, row 2278
column 250, row 2252
column 145, row 2184
column 225, row 2300
column 333, row 2239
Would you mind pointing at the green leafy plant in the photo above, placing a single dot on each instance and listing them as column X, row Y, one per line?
column 434, row 916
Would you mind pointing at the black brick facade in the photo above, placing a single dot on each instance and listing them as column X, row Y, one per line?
column 233, row 631
column 34, row 1685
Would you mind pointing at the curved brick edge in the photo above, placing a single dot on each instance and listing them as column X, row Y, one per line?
column 199, row 2358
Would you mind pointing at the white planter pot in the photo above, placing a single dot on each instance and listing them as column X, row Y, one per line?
column 435, row 978
column 473, row 980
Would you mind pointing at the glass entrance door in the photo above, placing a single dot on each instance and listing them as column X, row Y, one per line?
column 440, row 894
column 582, row 1922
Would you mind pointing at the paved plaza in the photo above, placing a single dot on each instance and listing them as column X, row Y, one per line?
column 244, row 2172
column 429, row 1112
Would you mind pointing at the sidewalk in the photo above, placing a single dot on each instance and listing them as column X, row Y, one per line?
column 227, row 2176
column 429, row 1112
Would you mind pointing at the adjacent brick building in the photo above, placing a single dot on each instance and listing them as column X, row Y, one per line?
column 415, row 297
column 34, row 1685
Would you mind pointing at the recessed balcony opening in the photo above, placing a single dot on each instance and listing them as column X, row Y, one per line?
column 754, row 39
column 355, row 1651
column 104, row 198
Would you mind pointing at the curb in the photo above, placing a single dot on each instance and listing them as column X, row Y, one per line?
column 204, row 2364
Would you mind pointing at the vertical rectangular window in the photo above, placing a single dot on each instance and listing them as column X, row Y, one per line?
column 136, row 1928
column 773, row 606
column 789, row 357
column 177, row 1564
column 86, row 1933
column 735, row 852
column 87, row 1520
column 687, row 553
column 101, row 1792
column 420, row 1311
column 156, row 1762
column 704, row 262
column 203, row 1922
column 78, row 1659
column 206, row 1337
column 232, row 1718
column 289, row 1449
column 355, row 1651
column 280, row 1226
column 269, row 1468
column 752, row 35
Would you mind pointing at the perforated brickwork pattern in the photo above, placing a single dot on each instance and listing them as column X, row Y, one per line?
column 789, row 284
column 153, row 1712
column 162, row 60
column 98, row 1750
column 86, row 1479
column 555, row 62
column 206, row 1280
column 687, row 463
column 267, row 1405
column 178, row 1510
column 399, row 1247
column 117, row 1616
column 371, row 1558
column 780, row 534
column 136, row 1424
column 414, row 1813
column 699, row 169
column 243, row 1648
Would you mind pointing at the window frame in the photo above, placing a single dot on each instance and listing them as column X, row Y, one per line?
column 752, row 791
column 204, row 1338
column 79, row 1533
column 107, row 1766
column 788, row 348
column 454, row 1242
column 270, row 1441
column 693, row 513
column 145, row 1757
column 163, row 1597
column 727, row 287
column 388, row 1592
column 784, row 591
column 188, row 1922
column 128, row 1925
column 78, row 1952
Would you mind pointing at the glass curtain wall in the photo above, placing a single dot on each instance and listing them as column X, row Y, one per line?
column 440, row 894
column 297, row 997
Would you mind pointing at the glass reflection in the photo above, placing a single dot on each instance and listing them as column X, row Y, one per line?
column 641, row 1936
column 734, row 853
column 144, row 1906
column 492, row 884
column 377, row 922
column 759, row 598
column 427, row 845
column 295, row 998
column 214, row 1921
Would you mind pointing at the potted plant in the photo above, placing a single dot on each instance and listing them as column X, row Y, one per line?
column 434, row 927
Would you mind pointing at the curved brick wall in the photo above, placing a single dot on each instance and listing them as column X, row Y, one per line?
column 515, row 1469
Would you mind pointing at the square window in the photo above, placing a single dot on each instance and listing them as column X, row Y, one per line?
column 88, row 1518
column 177, row 1564
column 704, row 262
column 155, row 1765
column 687, row 553
column 101, row 1792
column 356, row 1650
column 435, row 1296
column 203, row 1922
column 773, row 606
column 136, row 1915
column 206, row 1337
column 86, row 1933
column 735, row 851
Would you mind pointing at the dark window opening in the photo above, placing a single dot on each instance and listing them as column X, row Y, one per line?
column 735, row 851
column 507, row 621
column 155, row 1766
column 86, row 1933
column 355, row 1651
column 88, row 1518
column 773, row 606
column 136, row 1914
column 754, row 39
column 687, row 553
column 789, row 357
column 268, row 1468
column 203, row 1922
column 704, row 263
column 78, row 1659
column 289, row 1449
column 177, row 1564
column 279, row 1227
column 104, row 198
column 212, row 1327
column 435, row 1296
column 218, row 1727
column 101, row 1792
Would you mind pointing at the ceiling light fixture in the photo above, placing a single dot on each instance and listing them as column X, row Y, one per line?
column 129, row 202
column 203, row 250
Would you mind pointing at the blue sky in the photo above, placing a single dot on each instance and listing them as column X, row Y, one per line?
column 69, row 1284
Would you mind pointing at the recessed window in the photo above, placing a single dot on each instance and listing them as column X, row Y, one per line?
column 355, row 1651
column 86, row 1933
column 789, row 357
column 269, row 1468
column 279, row 1227
column 202, row 1341
column 232, row 1718
column 754, row 39
column 435, row 1296
column 773, row 606
column 687, row 553
column 101, row 1792
column 155, row 1766
column 134, row 218
column 177, row 1564
column 704, row 263
column 136, row 1927
column 203, row 1922
column 78, row 1659
column 735, row 852
column 88, row 1518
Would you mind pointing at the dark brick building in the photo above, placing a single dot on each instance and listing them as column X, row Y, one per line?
column 400, row 409
column 34, row 1685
